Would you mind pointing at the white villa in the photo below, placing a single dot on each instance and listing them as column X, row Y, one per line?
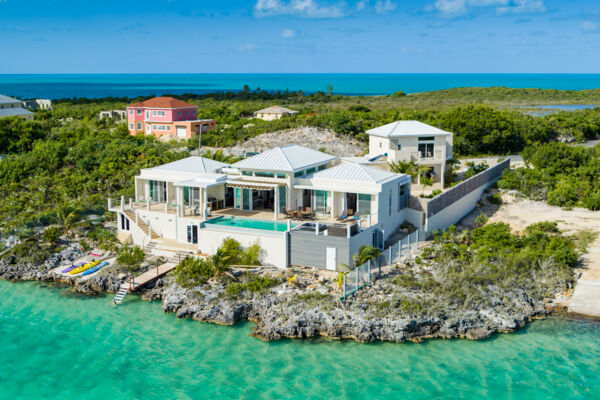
column 285, row 198
column 413, row 141
column 302, row 206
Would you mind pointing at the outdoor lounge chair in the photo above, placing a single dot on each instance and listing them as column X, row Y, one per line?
column 343, row 216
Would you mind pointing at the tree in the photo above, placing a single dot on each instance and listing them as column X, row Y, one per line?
column 365, row 253
column 67, row 215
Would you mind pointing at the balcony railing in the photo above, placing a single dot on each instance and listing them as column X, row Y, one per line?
column 434, row 156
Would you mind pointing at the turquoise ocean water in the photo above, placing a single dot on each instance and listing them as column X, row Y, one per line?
column 54, row 344
column 132, row 85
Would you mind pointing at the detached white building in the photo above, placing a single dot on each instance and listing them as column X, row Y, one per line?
column 194, row 203
column 273, row 113
column 413, row 141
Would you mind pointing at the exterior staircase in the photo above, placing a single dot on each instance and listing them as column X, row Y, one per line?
column 123, row 290
column 141, row 224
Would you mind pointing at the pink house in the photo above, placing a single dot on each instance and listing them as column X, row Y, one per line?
column 166, row 116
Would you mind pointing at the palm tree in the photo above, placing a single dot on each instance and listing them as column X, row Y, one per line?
column 365, row 254
column 409, row 168
column 67, row 215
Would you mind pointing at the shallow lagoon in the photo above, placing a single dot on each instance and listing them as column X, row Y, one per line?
column 59, row 345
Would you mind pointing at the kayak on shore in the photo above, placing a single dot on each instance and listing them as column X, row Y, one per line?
column 96, row 268
column 72, row 267
column 84, row 267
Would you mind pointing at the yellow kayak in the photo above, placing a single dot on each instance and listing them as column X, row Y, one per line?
column 84, row 267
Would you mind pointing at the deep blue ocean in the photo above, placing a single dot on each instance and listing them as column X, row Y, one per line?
column 132, row 85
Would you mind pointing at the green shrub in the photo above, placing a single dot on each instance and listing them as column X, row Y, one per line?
column 130, row 257
column 52, row 234
column 258, row 285
column 495, row 199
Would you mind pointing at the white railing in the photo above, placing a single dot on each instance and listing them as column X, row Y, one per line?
column 241, row 229
column 437, row 155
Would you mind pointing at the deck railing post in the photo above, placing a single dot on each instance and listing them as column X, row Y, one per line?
column 147, row 205
column 122, row 203
column 317, row 229
column 130, row 203
column 109, row 203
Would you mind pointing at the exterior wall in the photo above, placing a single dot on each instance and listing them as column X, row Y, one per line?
column 409, row 144
column 454, row 212
column 362, row 238
column 386, row 222
column 274, row 247
column 310, row 250
column 268, row 117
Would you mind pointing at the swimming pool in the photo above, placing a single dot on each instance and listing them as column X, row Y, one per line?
column 250, row 223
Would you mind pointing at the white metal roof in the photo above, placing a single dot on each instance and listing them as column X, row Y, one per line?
column 11, row 112
column 204, row 180
column 406, row 128
column 5, row 99
column 288, row 158
column 352, row 172
column 190, row 165
column 276, row 110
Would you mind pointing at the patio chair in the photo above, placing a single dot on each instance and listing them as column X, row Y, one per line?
column 328, row 211
column 356, row 216
column 343, row 216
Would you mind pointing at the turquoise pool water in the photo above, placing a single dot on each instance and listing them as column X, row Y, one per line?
column 58, row 345
column 250, row 223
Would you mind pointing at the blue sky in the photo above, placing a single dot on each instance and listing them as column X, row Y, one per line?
column 114, row 36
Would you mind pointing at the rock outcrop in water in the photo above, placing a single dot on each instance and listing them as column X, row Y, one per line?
column 309, row 307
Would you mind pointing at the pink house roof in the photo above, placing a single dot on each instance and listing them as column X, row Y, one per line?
column 161, row 102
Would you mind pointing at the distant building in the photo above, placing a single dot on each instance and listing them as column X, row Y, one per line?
column 42, row 104
column 117, row 115
column 273, row 113
column 10, row 107
column 166, row 116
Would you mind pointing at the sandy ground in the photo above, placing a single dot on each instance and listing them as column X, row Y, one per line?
column 522, row 212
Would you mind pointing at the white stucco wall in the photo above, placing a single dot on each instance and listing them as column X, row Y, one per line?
column 454, row 212
column 274, row 247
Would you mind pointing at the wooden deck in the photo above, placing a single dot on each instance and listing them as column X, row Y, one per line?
column 148, row 276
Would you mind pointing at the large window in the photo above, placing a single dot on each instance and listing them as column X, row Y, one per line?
column 192, row 234
column 264, row 174
column 310, row 170
column 364, row 204
column 299, row 173
column 282, row 176
column 138, row 111
column 402, row 196
column 237, row 198
column 247, row 173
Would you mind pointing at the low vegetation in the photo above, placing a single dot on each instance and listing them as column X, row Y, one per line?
column 563, row 175
column 474, row 269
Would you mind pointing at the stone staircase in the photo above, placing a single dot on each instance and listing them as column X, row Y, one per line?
column 141, row 224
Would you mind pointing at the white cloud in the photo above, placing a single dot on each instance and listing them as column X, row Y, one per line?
column 288, row 33
column 361, row 5
column 502, row 7
column 588, row 26
column 301, row 8
column 247, row 47
column 522, row 7
column 383, row 7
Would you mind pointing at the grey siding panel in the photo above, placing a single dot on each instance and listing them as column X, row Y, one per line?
column 309, row 250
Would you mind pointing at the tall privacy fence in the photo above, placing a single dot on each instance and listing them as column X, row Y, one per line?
column 467, row 186
column 397, row 252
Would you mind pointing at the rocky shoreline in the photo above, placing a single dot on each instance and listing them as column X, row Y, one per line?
column 308, row 307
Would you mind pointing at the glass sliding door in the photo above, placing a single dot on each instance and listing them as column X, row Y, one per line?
column 237, row 198
column 320, row 202
column 426, row 150
column 186, row 196
column 364, row 204
column 282, row 198
column 246, row 199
